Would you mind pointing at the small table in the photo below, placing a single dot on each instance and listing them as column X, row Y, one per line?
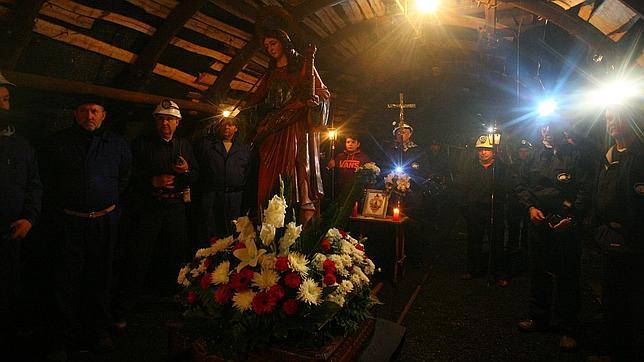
column 399, row 228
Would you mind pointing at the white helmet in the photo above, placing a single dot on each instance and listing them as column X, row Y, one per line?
column 484, row 141
column 168, row 107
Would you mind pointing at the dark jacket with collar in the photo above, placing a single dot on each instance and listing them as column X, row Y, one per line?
column 619, row 194
column 153, row 156
column 20, row 186
column 86, row 171
column 221, row 170
column 557, row 182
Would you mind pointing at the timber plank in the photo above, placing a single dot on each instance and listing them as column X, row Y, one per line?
column 366, row 8
column 352, row 11
column 326, row 21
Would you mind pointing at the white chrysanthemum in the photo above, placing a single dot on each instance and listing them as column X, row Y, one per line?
column 220, row 274
column 318, row 261
column 336, row 298
column 245, row 228
column 290, row 236
column 371, row 166
column 222, row 244
column 267, row 261
column 355, row 280
column 298, row 262
column 243, row 300
column 389, row 179
column 337, row 260
column 276, row 211
column 346, row 247
column 181, row 279
column 346, row 287
column 403, row 183
column 363, row 277
column 309, row 292
column 265, row 279
column 333, row 234
column 343, row 272
column 346, row 260
column 370, row 268
column 267, row 234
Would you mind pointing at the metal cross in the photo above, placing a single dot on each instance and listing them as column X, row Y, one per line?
column 401, row 106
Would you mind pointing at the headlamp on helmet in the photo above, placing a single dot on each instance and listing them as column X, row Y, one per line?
column 168, row 108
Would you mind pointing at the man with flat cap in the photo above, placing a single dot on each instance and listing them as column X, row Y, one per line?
column 224, row 161
column 87, row 167
column 20, row 192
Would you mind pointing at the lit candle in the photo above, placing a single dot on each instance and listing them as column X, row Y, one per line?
column 396, row 214
column 355, row 209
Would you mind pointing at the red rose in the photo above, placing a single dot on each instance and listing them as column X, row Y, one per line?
column 281, row 263
column 239, row 246
column 326, row 245
column 205, row 281
column 263, row 303
column 223, row 294
column 329, row 279
column 290, row 307
column 191, row 297
column 276, row 292
column 240, row 281
column 343, row 233
column 328, row 266
column 292, row 280
column 360, row 247
column 206, row 263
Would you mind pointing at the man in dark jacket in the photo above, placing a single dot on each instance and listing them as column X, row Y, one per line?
column 485, row 196
column 556, row 195
column 164, row 169
column 518, row 219
column 618, row 208
column 86, row 169
column 20, row 192
column 224, row 163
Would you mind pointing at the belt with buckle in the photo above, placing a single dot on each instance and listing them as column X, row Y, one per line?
column 90, row 215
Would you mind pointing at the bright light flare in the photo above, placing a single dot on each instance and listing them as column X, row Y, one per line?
column 427, row 6
column 399, row 169
column 547, row 107
column 490, row 129
column 615, row 93
column 226, row 113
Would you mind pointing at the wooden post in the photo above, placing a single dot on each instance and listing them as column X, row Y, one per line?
column 59, row 85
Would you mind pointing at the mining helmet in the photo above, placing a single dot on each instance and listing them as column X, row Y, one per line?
column 484, row 141
column 525, row 144
column 406, row 125
column 4, row 81
column 167, row 107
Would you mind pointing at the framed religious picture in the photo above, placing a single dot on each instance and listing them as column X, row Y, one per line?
column 375, row 203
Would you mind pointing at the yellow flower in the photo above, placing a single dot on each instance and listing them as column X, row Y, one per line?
column 220, row 274
column 248, row 255
column 266, row 279
column 243, row 300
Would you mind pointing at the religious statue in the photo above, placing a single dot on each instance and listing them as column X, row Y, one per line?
column 291, row 104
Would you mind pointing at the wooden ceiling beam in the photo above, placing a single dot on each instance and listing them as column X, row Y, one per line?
column 16, row 33
column 569, row 22
column 149, row 56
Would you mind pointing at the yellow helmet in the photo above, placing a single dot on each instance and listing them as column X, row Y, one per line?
column 484, row 141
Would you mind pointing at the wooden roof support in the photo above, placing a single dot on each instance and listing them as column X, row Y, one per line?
column 569, row 22
column 16, row 33
column 58, row 85
column 310, row 7
column 146, row 60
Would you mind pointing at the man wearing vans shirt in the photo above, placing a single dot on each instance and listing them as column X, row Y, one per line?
column 347, row 162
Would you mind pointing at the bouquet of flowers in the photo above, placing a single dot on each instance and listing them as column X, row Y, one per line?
column 267, row 285
column 369, row 171
column 398, row 182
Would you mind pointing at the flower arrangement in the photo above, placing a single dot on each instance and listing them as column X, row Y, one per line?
column 369, row 171
column 398, row 182
column 269, row 284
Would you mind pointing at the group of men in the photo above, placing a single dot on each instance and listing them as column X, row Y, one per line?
column 85, row 171
column 86, row 168
column 545, row 195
